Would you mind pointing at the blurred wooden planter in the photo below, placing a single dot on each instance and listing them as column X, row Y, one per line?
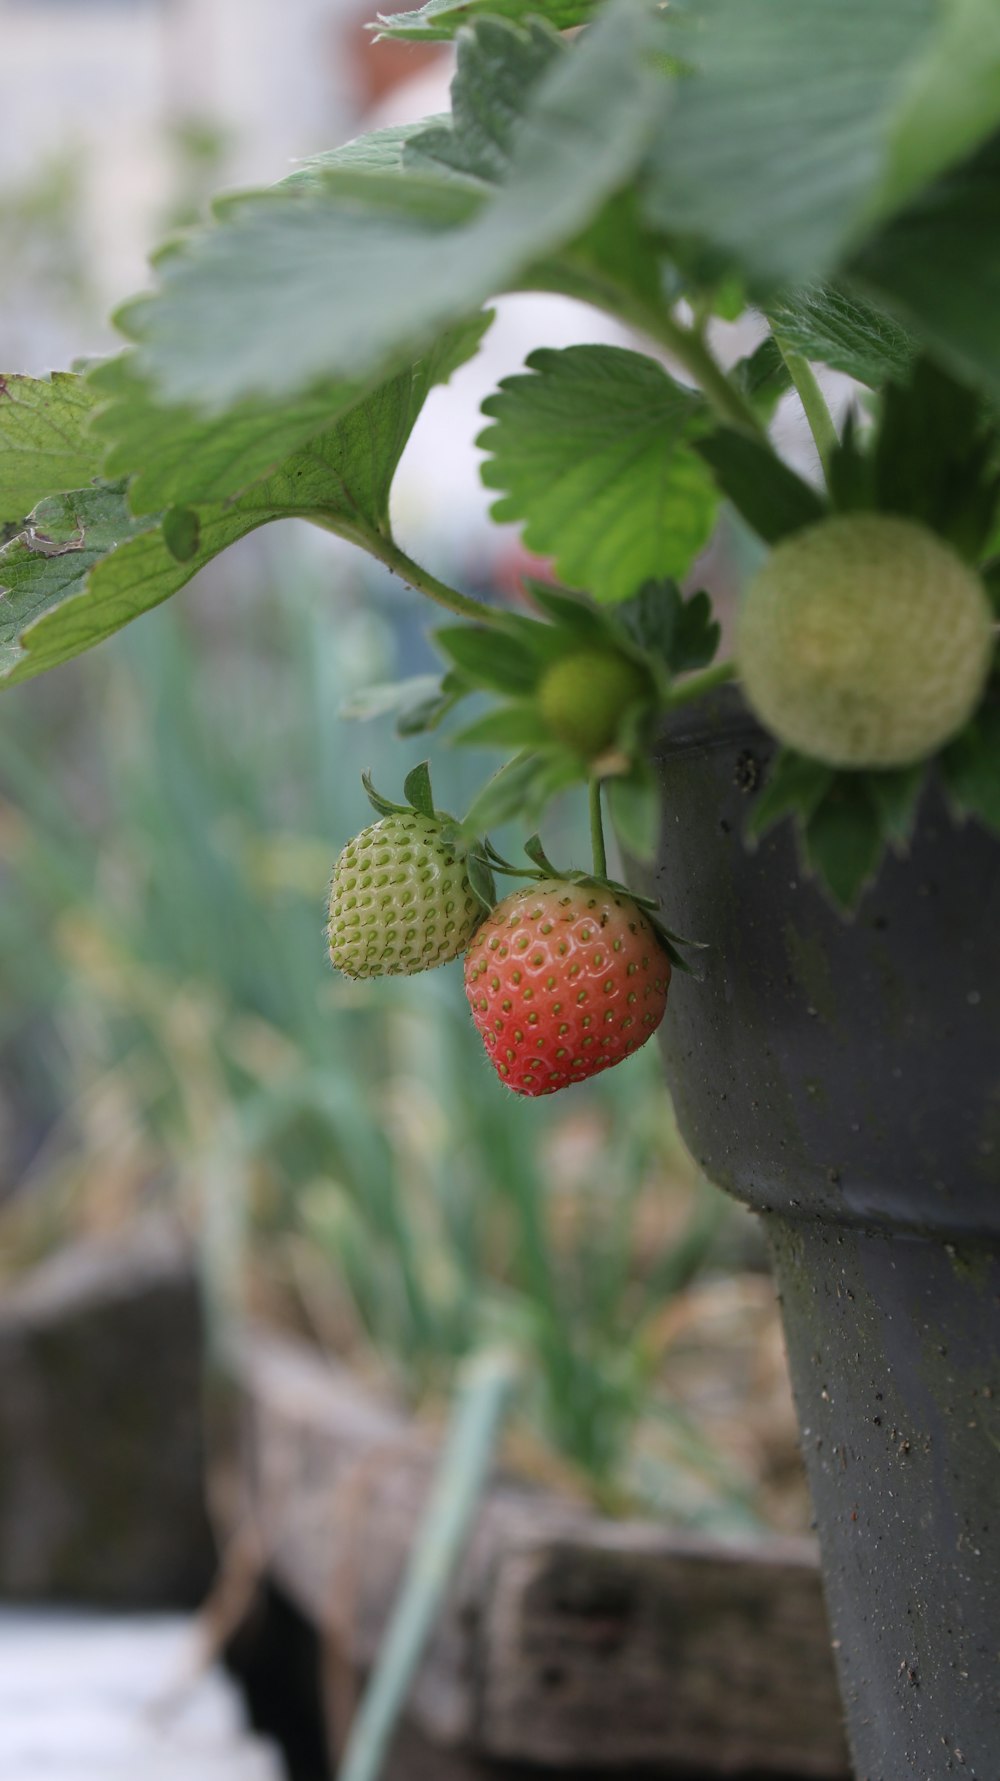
column 569, row 1642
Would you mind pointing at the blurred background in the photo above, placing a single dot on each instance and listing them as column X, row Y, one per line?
column 184, row 1086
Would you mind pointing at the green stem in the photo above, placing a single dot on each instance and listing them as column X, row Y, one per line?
column 694, row 686
column 687, row 345
column 439, row 591
column 597, row 831
column 813, row 402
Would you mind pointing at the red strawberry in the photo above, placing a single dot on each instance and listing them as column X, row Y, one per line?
column 564, row 980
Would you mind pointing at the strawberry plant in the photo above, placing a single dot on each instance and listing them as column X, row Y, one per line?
column 833, row 170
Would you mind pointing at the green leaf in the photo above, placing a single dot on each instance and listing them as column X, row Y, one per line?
column 57, row 606
column 971, row 765
column 843, row 839
column 591, row 450
column 113, row 568
column 616, row 262
column 295, row 286
column 45, row 446
column 773, row 500
column 634, row 808
column 179, row 456
column 795, row 785
column 379, row 151
column 935, row 457
column 495, row 69
column 489, row 658
column 937, row 265
column 952, row 99
column 417, row 789
column 775, row 149
column 845, row 331
column 440, row 20
column 50, row 561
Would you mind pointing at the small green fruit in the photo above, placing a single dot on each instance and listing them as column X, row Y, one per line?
column 584, row 698
column 401, row 900
column 865, row 641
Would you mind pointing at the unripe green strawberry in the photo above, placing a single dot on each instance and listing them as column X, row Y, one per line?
column 401, row 900
column 584, row 698
column 865, row 641
column 564, row 980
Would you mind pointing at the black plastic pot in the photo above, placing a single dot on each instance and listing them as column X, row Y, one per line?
column 844, row 1080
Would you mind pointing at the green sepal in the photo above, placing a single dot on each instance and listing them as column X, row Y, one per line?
column 489, row 657
column 480, row 877
column 971, row 766
column 634, row 809
column 417, row 788
column 544, row 869
column 544, row 643
column 382, row 806
column 896, row 793
column 431, row 711
column 843, row 840
column 511, row 726
column 772, row 499
column 536, row 853
column 571, row 612
column 796, row 784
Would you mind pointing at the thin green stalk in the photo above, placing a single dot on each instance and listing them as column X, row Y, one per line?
column 813, row 402
column 687, row 345
column 476, row 1421
column 695, row 685
column 439, row 591
column 597, row 831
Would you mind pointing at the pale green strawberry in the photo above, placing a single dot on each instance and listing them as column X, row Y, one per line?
column 401, row 900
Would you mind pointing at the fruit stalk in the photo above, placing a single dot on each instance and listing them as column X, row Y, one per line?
column 597, row 830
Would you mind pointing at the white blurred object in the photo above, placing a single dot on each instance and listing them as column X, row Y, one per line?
column 93, row 1697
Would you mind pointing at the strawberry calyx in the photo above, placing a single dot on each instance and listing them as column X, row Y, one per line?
column 418, row 792
column 544, row 871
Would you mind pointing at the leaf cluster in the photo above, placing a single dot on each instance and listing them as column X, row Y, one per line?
column 835, row 167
